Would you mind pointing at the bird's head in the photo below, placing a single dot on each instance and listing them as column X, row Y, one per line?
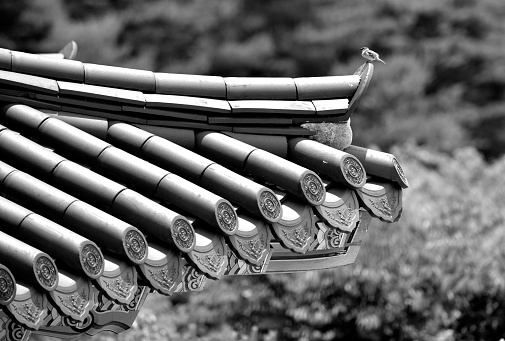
column 364, row 48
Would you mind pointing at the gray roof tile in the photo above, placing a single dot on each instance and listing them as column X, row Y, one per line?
column 164, row 180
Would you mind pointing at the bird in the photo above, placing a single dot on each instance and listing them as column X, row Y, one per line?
column 370, row 55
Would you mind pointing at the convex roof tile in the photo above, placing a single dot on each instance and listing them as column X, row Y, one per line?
column 115, row 182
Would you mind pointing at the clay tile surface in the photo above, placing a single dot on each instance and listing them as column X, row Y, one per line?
column 118, row 182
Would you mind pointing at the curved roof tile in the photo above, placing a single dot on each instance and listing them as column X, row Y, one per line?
column 154, row 181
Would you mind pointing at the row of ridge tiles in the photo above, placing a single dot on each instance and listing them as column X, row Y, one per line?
column 231, row 88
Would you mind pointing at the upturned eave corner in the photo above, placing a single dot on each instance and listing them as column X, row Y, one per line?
column 164, row 181
column 365, row 73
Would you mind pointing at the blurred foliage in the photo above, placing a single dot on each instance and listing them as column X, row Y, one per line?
column 443, row 86
column 438, row 274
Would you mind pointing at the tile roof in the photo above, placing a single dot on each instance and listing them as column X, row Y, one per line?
column 117, row 182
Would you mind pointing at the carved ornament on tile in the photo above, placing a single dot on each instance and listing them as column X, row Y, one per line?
column 237, row 266
column 319, row 242
column 213, row 262
column 344, row 216
column 399, row 169
column 7, row 286
column 299, row 237
column 120, row 286
column 46, row 273
column 53, row 316
column 165, row 277
column 192, row 280
column 135, row 245
column 312, row 187
column 76, row 303
column 30, row 311
column 78, row 326
column 15, row 331
column 183, row 234
column 107, row 315
column 254, row 248
column 253, row 269
column 227, row 217
column 104, row 303
column 91, row 259
column 136, row 302
column 334, row 238
column 353, row 171
column 270, row 206
column 195, row 280
column 383, row 206
column 329, row 238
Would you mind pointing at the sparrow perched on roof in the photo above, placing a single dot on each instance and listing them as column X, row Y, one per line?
column 370, row 55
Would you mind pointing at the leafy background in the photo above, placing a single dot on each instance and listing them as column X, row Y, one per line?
column 438, row 105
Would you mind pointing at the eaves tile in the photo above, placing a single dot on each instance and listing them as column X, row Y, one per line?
column 119, row 280
column 296, row 228
column 76, row 306
column 154, row 181
column 380, row 164
column 29, row 306
column 26, row 263
column 51, row 237
column 335, row 164
column 9, row 293
column 340, row 208
column 163, row 268
column 252, row 240
column 382, row 198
